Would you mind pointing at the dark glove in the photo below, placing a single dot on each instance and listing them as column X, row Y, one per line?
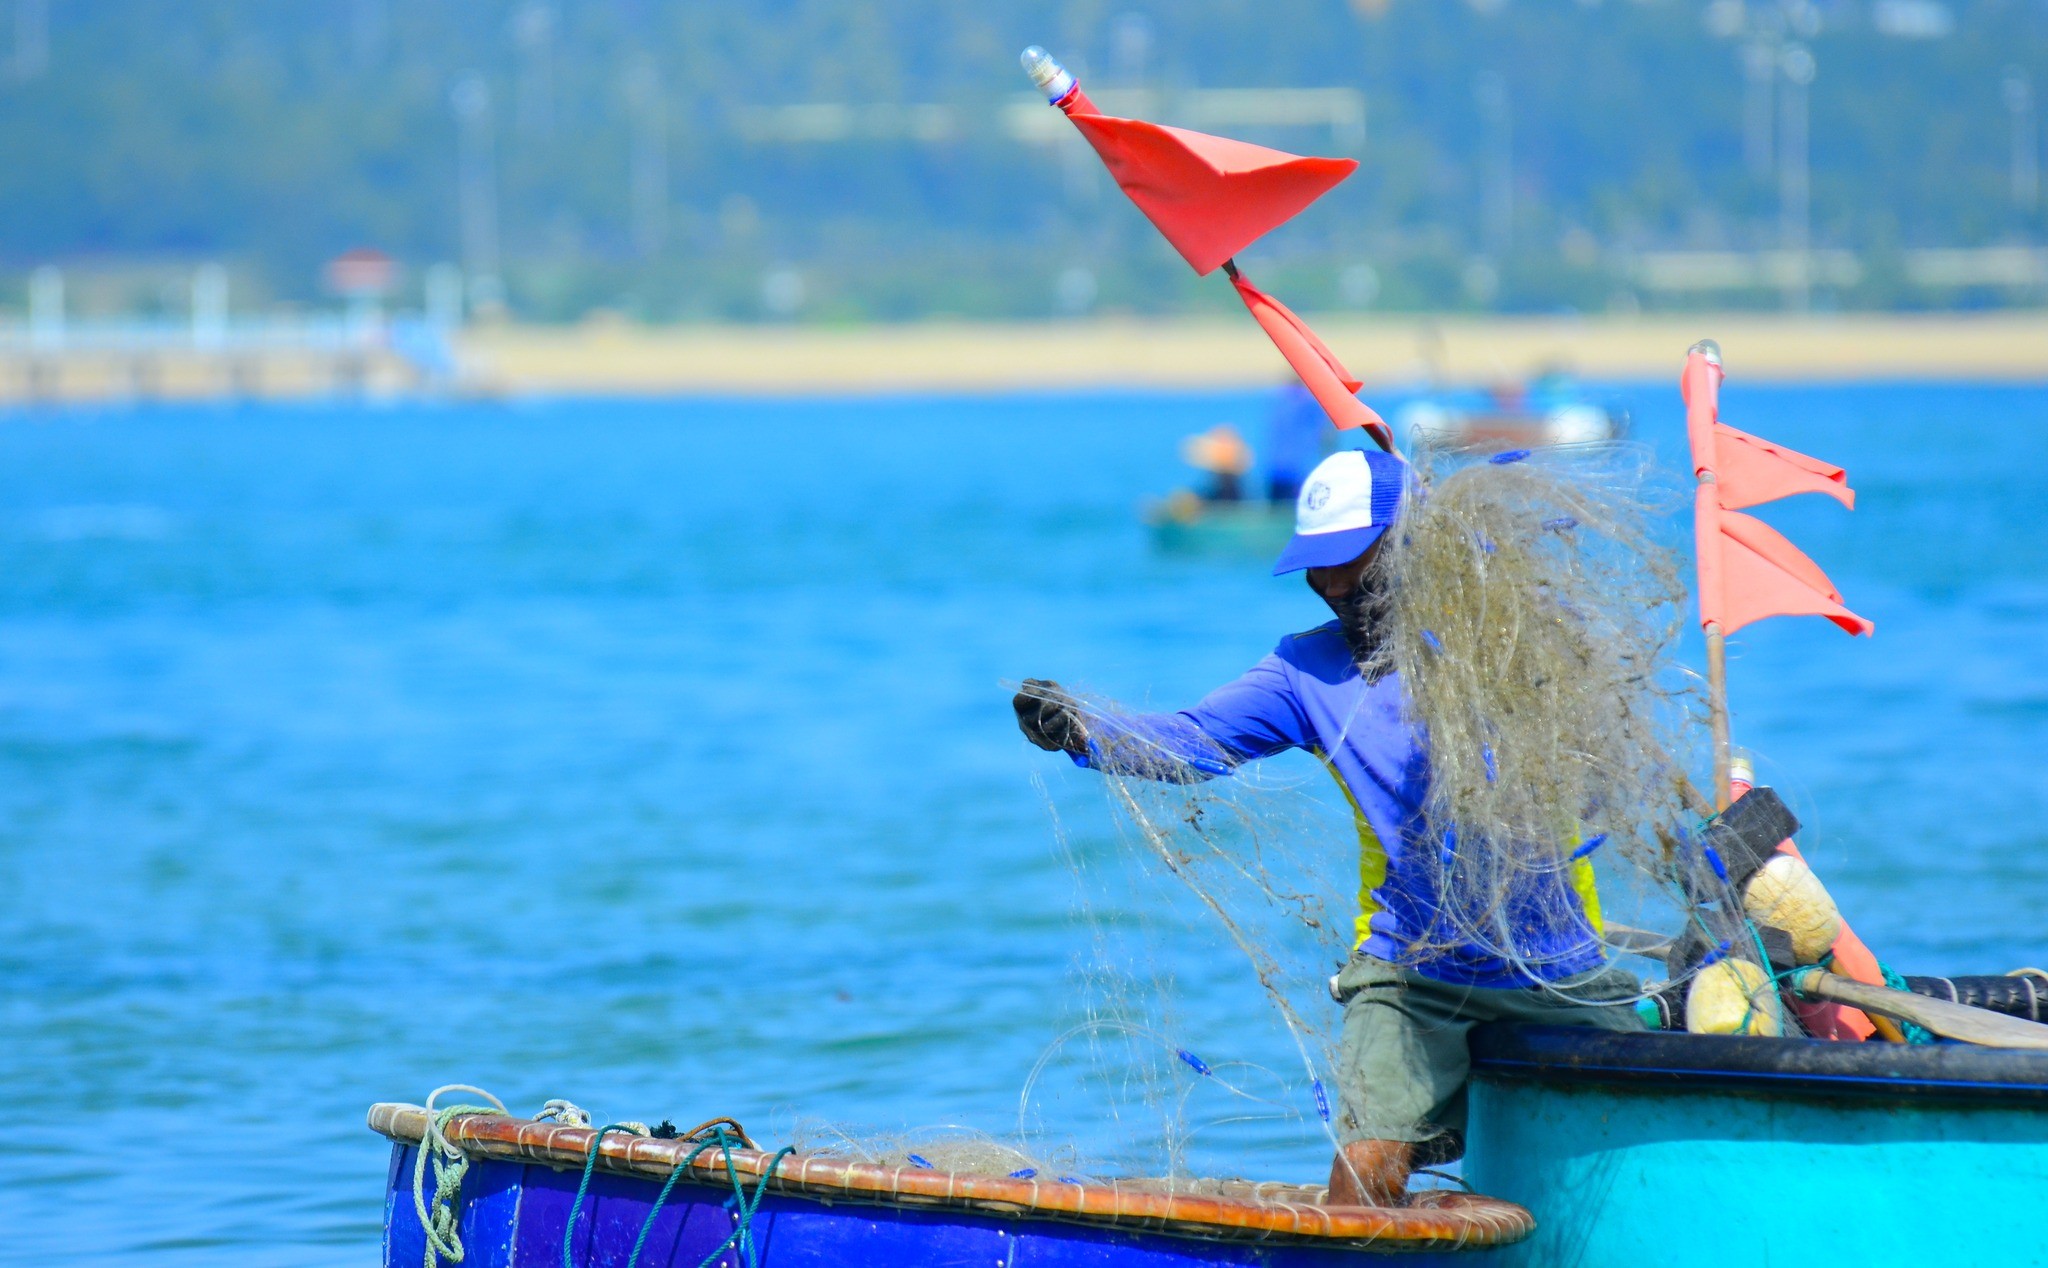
column 1049, row 717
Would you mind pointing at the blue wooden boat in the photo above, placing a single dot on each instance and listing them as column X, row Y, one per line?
column 1674, row 1149
column 516, row 1202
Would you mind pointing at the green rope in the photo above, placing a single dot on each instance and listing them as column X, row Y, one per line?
column 443, row 1226
column 662, row 1197
column 743, row 1229
column 583, row 1188
column 1763, row 959
column 1897, row 981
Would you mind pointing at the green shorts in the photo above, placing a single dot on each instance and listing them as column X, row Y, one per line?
column 1402, row 1063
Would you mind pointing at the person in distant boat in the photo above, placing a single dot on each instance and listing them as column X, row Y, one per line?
column 1294, row 442
column 1224, row 456
column 1408, row 998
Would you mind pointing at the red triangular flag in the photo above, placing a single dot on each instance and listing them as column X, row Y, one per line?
column 1325, row 377
column 1761, row 574
column 1211, row 196
column 1751, row 470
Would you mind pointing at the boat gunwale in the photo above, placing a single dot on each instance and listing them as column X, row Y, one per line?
column 1779, row 1068
column 1439, row 1220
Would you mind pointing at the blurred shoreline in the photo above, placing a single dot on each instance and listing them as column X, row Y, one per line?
column 617, row 358
column 1213, row 353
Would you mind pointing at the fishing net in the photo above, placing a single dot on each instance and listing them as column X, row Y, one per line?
column 1194, row 901
column 1208, row 891
column 950, row 1147
column 1531, row 604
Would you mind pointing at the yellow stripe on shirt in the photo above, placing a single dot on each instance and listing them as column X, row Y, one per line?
column 1372, row 856
column 1372, row 868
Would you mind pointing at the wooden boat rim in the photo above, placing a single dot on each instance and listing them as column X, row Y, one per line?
column 1787, row 1068
column 1437, row 1219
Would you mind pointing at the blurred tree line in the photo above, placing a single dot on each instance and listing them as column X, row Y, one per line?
column 840, row 161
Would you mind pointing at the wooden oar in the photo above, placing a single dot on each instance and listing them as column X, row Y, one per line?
column 1635, row 941
column 1950, row 1021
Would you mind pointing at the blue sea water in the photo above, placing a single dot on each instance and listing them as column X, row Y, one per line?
column 659, row 755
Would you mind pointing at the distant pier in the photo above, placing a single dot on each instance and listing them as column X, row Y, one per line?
column 270, row 358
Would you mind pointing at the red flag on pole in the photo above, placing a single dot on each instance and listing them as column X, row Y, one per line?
column 1761, row 574
column 1211, row 196
column 1747, row 570
column 1751, row 470
column 1325, row 377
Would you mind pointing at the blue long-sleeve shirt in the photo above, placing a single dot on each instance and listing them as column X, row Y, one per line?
column 1309, row 694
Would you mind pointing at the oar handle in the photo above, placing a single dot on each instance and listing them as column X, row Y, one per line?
column 1950, row 1021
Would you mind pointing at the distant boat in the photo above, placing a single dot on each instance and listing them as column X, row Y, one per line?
column 1184, row 523
column 1552, row 410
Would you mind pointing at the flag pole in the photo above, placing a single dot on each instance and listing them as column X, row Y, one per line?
column 1735, row 588
column 1717, row 703
column 1702, row 386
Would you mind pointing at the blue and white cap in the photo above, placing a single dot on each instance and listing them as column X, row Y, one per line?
column 1345, row 504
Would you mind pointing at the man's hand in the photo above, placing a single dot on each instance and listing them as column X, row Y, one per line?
column 1049, row 717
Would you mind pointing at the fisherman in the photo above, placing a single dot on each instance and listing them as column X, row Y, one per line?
column 1410, row 992
column 1224, row 456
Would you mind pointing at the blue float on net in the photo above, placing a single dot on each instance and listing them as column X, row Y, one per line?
column 1322, row 1101
column 1714, row 861
column 1512, row 455
column 1435, row 644
column 1590, row 846
column 1025, row 1174
column 1493, row 771
column 921, row 1161
column 1195, row 1063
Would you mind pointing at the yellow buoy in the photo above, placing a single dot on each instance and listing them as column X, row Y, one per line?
column 1733, row 997
column 1785, row 894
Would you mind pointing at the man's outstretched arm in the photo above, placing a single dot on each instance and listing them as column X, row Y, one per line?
column 1250, row 718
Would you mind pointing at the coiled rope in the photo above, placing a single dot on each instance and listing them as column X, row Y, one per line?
column 438, row 1217
column 441, row 1221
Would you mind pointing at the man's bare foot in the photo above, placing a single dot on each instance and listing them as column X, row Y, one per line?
column 1371, row 1173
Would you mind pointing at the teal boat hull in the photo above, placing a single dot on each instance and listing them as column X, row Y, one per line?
column 1245, row 529
column 1673, row 1150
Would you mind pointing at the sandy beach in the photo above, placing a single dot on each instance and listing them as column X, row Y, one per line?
column 932, row 357
column 617, row 358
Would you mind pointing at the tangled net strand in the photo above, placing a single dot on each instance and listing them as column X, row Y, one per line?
column 1531, row 609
